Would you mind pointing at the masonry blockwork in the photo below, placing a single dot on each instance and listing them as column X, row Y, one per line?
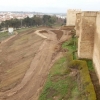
column 87, row 25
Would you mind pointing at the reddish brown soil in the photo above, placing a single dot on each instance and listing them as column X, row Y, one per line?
column 67, row 27
column 43, row 31
column 59, row 33
column 25, row 61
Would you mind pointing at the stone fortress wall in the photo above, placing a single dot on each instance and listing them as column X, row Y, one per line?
column 86, row 35
column 87, row 27
column 77, row 23
column 96, row 50
column 71, row 16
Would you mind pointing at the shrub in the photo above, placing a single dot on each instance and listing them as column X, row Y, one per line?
column 86, row 83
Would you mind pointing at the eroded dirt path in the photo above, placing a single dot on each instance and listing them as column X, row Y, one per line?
column 35, row 77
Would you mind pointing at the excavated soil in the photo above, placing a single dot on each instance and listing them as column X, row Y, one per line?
column 43, row 31
column 25, row 61
column 59, row 33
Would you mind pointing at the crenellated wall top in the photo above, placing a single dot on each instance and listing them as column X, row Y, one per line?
column 89, row 13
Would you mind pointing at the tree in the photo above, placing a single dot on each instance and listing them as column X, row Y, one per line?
column 0, row 27
column 27, row 22
column 37, row 20
column 46, row 19
column 52, row 20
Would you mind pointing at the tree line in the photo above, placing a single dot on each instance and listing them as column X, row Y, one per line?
column 45, row 20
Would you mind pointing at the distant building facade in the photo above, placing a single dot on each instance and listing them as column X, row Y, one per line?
column 10, row 30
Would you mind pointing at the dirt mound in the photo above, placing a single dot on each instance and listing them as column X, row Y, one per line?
column 67, row 27
column 59, row 33
column 25, row 61
column 43, row 31
column 16, row 57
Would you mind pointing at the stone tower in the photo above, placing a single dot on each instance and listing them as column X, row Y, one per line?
column 71, row 16
column 86, row 35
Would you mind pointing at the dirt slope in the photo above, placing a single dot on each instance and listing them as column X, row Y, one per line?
column 25, row 61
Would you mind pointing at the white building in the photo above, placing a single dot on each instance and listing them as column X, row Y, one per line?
column 10, row 30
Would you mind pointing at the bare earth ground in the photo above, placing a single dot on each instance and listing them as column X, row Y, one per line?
column 25, row 61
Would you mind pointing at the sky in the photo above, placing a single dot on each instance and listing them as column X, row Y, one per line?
column 49, row 6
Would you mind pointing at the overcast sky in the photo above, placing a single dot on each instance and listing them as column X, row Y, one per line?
column 48, row 6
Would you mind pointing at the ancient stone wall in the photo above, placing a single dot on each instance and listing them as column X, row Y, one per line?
column 96, row 50
column 77, row 23
column 86, row 37
column 87, row 27
column 71, row 16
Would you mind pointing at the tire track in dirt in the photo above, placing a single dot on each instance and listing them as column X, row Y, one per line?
column 34, row 79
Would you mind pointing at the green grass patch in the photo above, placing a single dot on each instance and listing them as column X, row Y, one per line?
column 90, row 65
column 86, row 87
column 3, row 35
column 84, row 66
column 24, row 29
column 69, row 78
column 71, row 46
column 59, row 85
